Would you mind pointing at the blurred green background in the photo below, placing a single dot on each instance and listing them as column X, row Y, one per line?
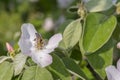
column 13, row 13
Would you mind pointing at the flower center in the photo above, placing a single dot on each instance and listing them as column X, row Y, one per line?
column 39, row 42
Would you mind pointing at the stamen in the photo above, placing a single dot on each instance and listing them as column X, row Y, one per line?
column 39, row 43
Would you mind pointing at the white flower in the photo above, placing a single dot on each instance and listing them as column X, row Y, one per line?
column 114, row 1
column 32, row 44
column 64, row 3
column 118, row 45
column 113, row 73
column 85, row 1
column 48, row 24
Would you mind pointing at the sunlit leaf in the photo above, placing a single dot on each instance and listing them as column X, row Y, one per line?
column 98, row 30
column 62, row 27
column 18, row 63
column 72, row 33
column 98, row 5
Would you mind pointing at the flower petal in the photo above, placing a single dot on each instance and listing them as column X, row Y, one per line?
column 54, row 41
column 118, row 45
column 25, row 46
column 28, row 31
column 27, row 37
column 85, row 1
column 64, row 3
column 114, row 1
column 42, row 59
column 118, row 64
column 112, row 73
column 48, row 24
column 47, row 50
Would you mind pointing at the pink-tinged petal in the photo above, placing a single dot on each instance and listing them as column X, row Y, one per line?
column 54, row 41
column 9, row 47
column 27, row 37
column 42, row 59
column 112, row 73
column 118, row 64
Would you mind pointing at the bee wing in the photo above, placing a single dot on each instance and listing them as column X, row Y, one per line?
column 38, row 35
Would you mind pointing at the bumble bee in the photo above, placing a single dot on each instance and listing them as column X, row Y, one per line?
column 39, row 42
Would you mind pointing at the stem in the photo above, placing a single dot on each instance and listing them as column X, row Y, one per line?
column 93, row 72
column 20, row 76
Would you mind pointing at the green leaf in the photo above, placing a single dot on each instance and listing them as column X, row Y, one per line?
column 6, row 71
column 101, row 59
column 3, row 58
column 72, row 33
column 59, row 69
column 74, row 68
column 98, row 5
column 62, row 27
column 97, row 32
column 36, row 73
column 18, row 63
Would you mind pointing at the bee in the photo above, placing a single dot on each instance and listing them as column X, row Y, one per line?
column 39, row 42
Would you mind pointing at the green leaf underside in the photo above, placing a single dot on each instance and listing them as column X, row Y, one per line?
column 59, row 69
column 98, row 5
column 97, row 31
column 74, row 68
column 36, row 73
column 3, row 58
column 6, row 71
column 101, row 59
column 18, row 63
column 72, row 34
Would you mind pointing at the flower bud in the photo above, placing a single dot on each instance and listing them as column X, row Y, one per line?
column 9, row 47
